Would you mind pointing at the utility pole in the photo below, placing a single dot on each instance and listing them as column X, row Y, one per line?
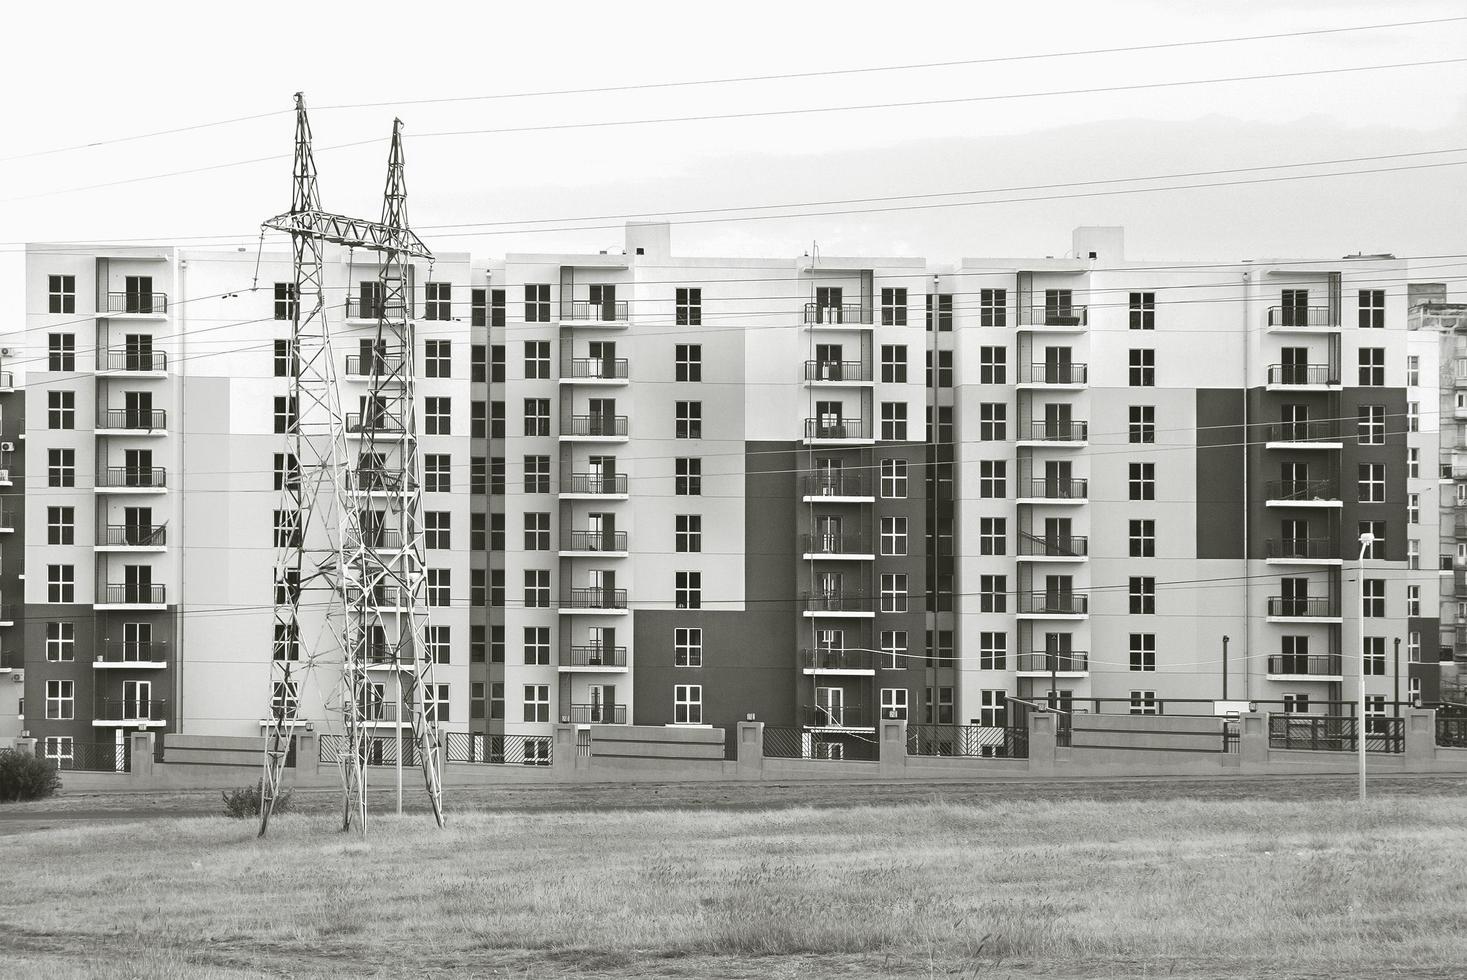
column 1225, row 668
column 1366, row 541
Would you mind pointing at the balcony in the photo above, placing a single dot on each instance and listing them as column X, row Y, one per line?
column 383, row 598
column 594, row 658
column 1053, row 491
column 12, row 660
column 837, row 372
column 838, row 430
column 371, row 424
column 1054, row 432
column 137, row 362
column 369, row 310
column 385, row 713
column 7, row 381
column 594, row 427
column 1459, row 372
column 141, row 305
column 837, row 716
column 122, row 712
column 595, row 370
column 842, row 315
column 598, row 714
column 1066, row 375
column 370, row 480
column 1302, row 377
column 1054, row 317
column 132, row 479
column 593, row 485
column 1072, row 663
column 595, row 600
column 1288, row 667
column 597, row 543
column 838, row 604
column 825, row 661
column 1304, row 435
column 837, row 488
column 853, row 547
column 10, row 516
column 151, row 421
column 1303, row 318
column 1304, row 608
column 1056, row 605
column 131, row 655
column 1306, row 551
column 382, row 365
column 8, row 613
column 133, row 537
column 131, row 595
column 1053, row 547
column 587, row 312
column 381, row 538
column 1302, row 493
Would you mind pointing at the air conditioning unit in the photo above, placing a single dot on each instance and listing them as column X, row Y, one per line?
column 7, row 447
column 17, row 678
column 4, row 351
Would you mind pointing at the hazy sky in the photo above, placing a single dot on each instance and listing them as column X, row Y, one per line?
column 116, row 71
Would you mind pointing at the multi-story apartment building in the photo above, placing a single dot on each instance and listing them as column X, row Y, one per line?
column 674, row 490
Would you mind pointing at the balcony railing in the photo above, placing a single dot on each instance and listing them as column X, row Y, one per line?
column 1330, row 733
column 593, row 541
column 1290, row 375
column 382, row 422
column 380, row 596
column 7, row 379
column 1046, row 430
column 834, row 544
column 378, row 309
column 842, row 313
column 1304, row 432
column 1054, row 603
column 1053, row 374
column 132, row 652
column 12, row 659
column 604, row 426
column 131, row 709
column 1302, row 316
column 380, row 365
column 375, row 480
column 824, row 659
column 598, row 483
column 1316, row 665
column 598, row 714
column 1304, row 607
column 1302, row 490
column 831, row 428
column 1052, row 316
column 832, row 485
column 134, row 594
column 143, row 420
column 1302, row 549
column 604, row 312
column 131, row 360
column 1053, row 546
column 595, row 656
column 154, row 304
column 596, row 368
column 837, row 371
column 142, row 477
column 596, row 599
column 386, row 538
column 838, row 602
column 135, row 535
column 836, row 716
column 1072, row 661
column 1055, row 489
column 8, row 612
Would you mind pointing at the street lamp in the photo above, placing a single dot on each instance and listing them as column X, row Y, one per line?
column 1366, row 540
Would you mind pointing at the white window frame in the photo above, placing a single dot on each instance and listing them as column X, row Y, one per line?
column 687, row 645
column 894, row 592
column 687, row 704
column 894, row 479
column 894, row 699
column 893, row 536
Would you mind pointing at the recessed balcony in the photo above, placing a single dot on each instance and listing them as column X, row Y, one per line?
column 132, row 479
column 1046, row 548
column 836, row 373
column 1056, row 491
column 1054, row 605
column 1291, row 667
column 1066, row 663
column 363, row 310
column 597, row 714
column 594, row 486
column 132, row 422
column 837, row 431
column 130, row 713
column 826, row 661
column 1304, row 435
column 125, row 655
column 1066, row 375
column 593, row 371
column 10, row 516
column 594, row 658
column 131, row 595
column 1302, row 493
column 132, row 363
column 848, row 547
column 837, row 488
column 1302, row 377
column 381, row 598
column 1305, row 609
column 372, row 481
column 602, row 314
column 1057, row 319
column 595, row 600
column 138, row 306
column 1302, row 551
column 371, row 425
column 7, row 382
column 133, row 537
column 593, row 544
column 385, row 364
column 1311, row 319
column 838, row 604
column 1060, row 433
column 839, row 315
column 594, row 428
column 838, row 716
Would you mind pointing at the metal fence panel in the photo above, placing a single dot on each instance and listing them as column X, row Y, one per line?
column 1333, row 733
column 970, row 741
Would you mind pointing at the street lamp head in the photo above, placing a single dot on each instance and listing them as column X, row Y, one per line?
column 1367, row 539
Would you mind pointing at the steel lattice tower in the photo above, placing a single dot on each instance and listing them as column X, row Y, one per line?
column 362, row 565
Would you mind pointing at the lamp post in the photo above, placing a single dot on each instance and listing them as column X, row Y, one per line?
column 1366, row 540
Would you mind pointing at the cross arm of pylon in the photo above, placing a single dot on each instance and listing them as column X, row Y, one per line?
column 355, row 232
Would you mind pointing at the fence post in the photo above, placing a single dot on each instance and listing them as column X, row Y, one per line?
column 1042, row 734
column 751, row 749
column 142, row 754
column 563, row 751
column 1420, row 739
column 1253, row 739
column 893, row 746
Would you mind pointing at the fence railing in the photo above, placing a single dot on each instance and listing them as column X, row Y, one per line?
column 972, row 741
column 148, row 303
column 1302, row 316
column 1053, row 374
column 594, row 483
column 837, row 371
column 135, row 535
column 1305, row 549
column 595, row 598
column 369, row 308
column 134, row 593
column 1335, row 733
column 381, row 365
column 836, row 716
column 1292, row 375
column 794, row 743
column 588, row 540
column 377, row 750
column 595, row 368
column 131, row 652
column 1054, row 603
column 1052, row 316
column 604, row 312
column 1451, row 732
column 131, row 709
column 372, row 422
column 90, row 756
column 1058, row 546
column 1318, row 665
column 837, row 313
column 838, row 602
column 507, row 750
column 834, row 543
column 141, row 477
column 133, row 419
column 595, row 656
column 594, row 425
column 1055, row 489
column 598, row 714
column 1045, row 430
column 1302, row 490
column 132, row 360
column 1071, row 661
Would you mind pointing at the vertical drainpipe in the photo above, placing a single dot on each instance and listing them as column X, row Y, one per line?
column 181, row 324
column 1247, row 657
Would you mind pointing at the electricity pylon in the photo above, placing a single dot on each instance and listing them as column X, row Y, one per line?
column 349, row 530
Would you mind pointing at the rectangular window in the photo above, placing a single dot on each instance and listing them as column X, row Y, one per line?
column 944, row 312
column 893, row 593
column 1375, row 529
column 689, row 420
column 437, row 359
column 1143, row 595
column 1413, row 508
column 1372, row 309
column 537, row 474
column 893, row 421
column 437, row 644
column 687, row 704
column 439, row 306
column 687, row 646
column 537, row 360
column 478, row 311
column 537, row 646
column 1413, row 416
column 993, row 365
column 688, row 590
column 60, row 642
column 1375, row 603
column 287, row 528
column 537, row 303
column 537, row 532
column 894, row 364
column 437, row 468
column 537, row 416
column 894, row 479
column 993, row 708
column 893, row 306
column 993, row 307
column 992, row 421
column 688, row 363
column 894, row 702
column 1143, row 651
column 1372, row 367
column 437, row 413
column 1413, row 463
column 993, row 479
column 1142, row 373
column 61, row 352
column 286, row 362
column 438, row 591
column 992, row 593
column 1375, row 656
column 60, row 700
column 286, row 416
column 1413, row 600
column 537, row 699
column 1144, row 703
column 1143, row 311
column 893, row 535
column 1142, row 424
column 1141, row 481
column 992, row 535
column 688, row 533
column 689, row 306
column 61, row 294
column 61, row 467
column 60, row 525
column 893, row 645
column 497, row 307
column 436, row 532
column 993, row 650
column 1413, row 370
column 1142, row 535
column 537, row 588
column 61, row 410
column 688, row 476
column 1371, row 425
column 1372, row 483
column 60, row 583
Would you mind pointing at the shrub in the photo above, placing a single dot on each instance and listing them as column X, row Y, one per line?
column 245, row 801
column 23, row 776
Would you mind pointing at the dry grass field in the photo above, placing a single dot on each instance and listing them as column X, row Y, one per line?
column 1063, row 889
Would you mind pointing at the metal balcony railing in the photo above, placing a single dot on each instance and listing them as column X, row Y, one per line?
column 842, row 313
column 1053, row 546
column 1302, row 316
column 1055, row 489
column 1071, row 661
column 1303, row 607
column 8, row 612
column 7, row 379
column 144, row 420
column 9, row 516
column 820, row 658
column 595, row 598
column 154, row 304
column 375, row 480
column 842, row 485
column 1052, row 316
column 598, row 714
column 833, row 428
column 1306, row 431
column 131, row 709
column 1046, row 430
column 574, row 540
column 1054, row 603
column 385, row 538
column 604, row 426
column 132, row 652
column 12, row 659
column 1317, row 665
column 142, row 477
column 604, row 312
column 378, row 309
column 1289, row 375
column 131, row 360
column 837, row 371
column 380, row 365
column 838, row 602
column 835, row 716
column 134, row 594
column 1302, row 490
column 595, row 483
column 135, row 535
column 596, row 368
column 595, row 656
column 834, row 544
column 1053, row 374
column 1302, row 549
column 381, row 422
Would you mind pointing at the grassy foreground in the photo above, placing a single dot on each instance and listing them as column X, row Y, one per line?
column 1195, row 889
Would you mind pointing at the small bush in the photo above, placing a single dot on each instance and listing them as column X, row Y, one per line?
column 25, row 777
column 245, row 801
